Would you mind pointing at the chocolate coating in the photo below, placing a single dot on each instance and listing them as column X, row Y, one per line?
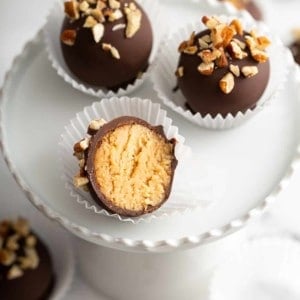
column 203, row 94
column 34, row 284
column 295, row 48
column 95, row 143
column 90, row 63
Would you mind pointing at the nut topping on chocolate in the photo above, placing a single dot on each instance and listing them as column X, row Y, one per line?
column 109, row 44
column 227, row 83
column 14, row 272
column 179, row 72
column 80, row 180
column 7, row 257
column 17, row 248
column 68, row 37
column 90, row 22
column 134, row 17
column 84, row 6
column 98, row 12
column 235, row 70
column 206, row 68
column 118, row 27
column 12, row 242
column 249, row 71
column 114, row 4
column 72, row 9
column 98, row 31
column 95, row 125
column 31, row 241
column 223, row 44
column 81, row 145
column 113, row 51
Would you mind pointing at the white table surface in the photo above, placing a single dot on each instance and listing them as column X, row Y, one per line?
column 20, row 20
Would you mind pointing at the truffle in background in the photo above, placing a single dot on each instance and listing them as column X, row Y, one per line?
column 26, row 270
column 106, row 43
column 248, row 5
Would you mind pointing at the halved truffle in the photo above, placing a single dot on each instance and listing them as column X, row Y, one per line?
column 106, row 43
column 223, row 69
column 26, row 270
column 127, row 165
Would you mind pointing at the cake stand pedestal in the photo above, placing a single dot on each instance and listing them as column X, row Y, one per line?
column 170, row 276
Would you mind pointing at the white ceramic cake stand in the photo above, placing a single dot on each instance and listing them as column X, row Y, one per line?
column 254, row 162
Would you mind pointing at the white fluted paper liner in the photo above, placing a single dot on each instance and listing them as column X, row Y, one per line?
column 266, row 268
column 201, row 191
column 51, row 33
column 165, row 80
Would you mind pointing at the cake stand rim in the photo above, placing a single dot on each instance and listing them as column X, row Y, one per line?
column 128, row 244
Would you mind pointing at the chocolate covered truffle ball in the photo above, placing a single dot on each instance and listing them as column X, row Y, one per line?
column 223, row 69
column 106, row 43
column 26, row 270
column 127, row 165
column 248, row 5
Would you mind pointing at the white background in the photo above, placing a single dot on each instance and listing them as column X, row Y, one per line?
column 20, row 21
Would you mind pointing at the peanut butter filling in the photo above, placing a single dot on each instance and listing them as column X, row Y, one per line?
column 133, row 167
